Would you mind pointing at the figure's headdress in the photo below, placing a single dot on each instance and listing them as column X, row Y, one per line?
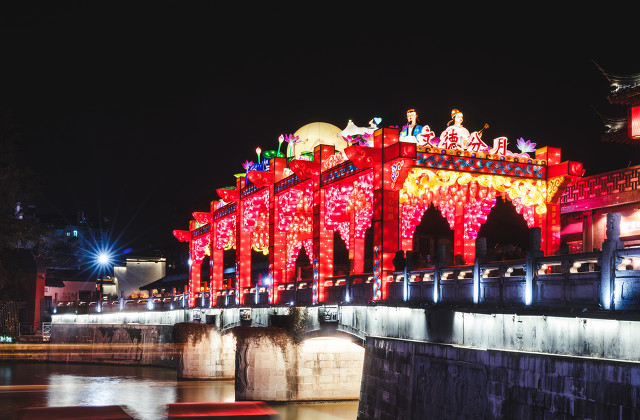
column 454, row 112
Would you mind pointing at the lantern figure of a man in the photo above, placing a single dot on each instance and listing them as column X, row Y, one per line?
column 454, row 136
column 411, row 130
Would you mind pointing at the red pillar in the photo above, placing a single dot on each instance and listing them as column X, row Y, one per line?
column 322, row 237
column 277, row 238
column 388, row 178
column 194, row 269
column 560, row 174
column 386, row 214
column 243, row 249
column 386, row 232
column 551, row 245
column 217, row 261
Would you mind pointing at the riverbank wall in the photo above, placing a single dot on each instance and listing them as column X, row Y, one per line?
column 134, row 345
column 411, row 379
column 195, row 350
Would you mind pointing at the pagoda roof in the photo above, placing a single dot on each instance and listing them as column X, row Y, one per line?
column 625, row 89
column 616, row 131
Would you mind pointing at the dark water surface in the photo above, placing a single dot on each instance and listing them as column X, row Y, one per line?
column 142, row 391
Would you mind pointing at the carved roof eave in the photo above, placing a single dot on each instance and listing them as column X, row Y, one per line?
column 625, row 89
column 619, row 136
column 629, row 96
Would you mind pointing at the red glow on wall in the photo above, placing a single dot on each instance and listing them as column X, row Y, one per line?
column 634, row 123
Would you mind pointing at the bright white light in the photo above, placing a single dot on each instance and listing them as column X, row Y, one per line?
column 103, row 258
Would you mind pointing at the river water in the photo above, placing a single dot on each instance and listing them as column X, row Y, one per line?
column 142, row 391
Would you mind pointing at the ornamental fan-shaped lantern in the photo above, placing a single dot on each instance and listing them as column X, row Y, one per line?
column 261, row 178
column 228, row 195
column 182, row 235
column 202, row 217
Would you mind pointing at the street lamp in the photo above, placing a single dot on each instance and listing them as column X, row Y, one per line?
column 103, row 259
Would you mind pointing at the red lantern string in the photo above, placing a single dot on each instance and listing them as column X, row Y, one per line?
column 350, row 199
column 226, row 233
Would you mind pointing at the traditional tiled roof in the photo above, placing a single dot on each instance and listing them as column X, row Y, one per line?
column 617, row 131
column 625, row 90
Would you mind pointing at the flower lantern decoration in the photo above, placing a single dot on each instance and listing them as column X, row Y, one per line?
column 226, row 233
column 256, row 220
column 201, row 248
column 347, row 200
column 296, row 218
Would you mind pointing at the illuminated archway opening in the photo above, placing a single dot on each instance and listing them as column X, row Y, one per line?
column 229, row 274
column 506, row 232
column 224, row 239
column 349, row 212
column 368, row 250
column 205, row 274
column 259, row 266
column 432, row 232
column 303, row 267
column 296, row 219
column 465, row 200
column 340, row 255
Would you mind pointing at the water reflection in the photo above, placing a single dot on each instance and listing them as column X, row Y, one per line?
column 142, row 392
column 142, row 397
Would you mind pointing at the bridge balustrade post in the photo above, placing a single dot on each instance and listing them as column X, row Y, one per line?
column 408, row 266
column 322, row 237
column 347, row 288
column 440, row 263
column 608, row 267
column 535, row 242
column 481, row 256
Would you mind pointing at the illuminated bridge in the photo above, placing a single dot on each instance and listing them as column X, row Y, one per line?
column 367, row 197
column 453, row 335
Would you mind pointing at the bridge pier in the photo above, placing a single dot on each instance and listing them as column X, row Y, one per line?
column 206, row 352
column 272, row 366
column 274, row 354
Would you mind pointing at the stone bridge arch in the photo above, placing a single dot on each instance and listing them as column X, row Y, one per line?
column 272, row 357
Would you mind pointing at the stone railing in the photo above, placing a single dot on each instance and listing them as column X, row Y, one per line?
column 607, row 279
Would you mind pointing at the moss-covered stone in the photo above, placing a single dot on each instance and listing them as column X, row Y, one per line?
column 185, row 332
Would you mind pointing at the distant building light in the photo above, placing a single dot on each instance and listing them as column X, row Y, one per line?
column 75, row 233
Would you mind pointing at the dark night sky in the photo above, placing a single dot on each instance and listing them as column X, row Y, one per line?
column 138, row 113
